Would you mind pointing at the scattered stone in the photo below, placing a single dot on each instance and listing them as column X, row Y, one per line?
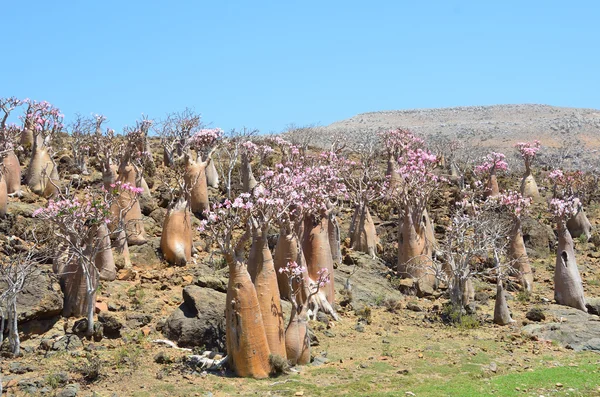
column 535, row 314
column 360, row 327
column 126, row 275
column 414, row 307
column 322, row 317
column 471, row 308
column 18, row 369
column 162, row 358
column 329, row 334
column 67, row 343
column 137, row 320
column 593, row 306
column 80, row 326
column 69, row 391
column 112, row 326
column 493, row 367
column 101, row 307
column 482, row 297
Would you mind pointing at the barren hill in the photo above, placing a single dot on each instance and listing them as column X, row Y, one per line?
column 496, row 126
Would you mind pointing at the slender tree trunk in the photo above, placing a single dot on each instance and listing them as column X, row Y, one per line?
column 13, row 336
column 262, row 273
column 333, row 229
column 212, row 176
column 246, row 339
column 518, row 254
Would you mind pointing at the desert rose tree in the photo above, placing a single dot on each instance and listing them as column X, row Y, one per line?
column 46, row 122
column 528, row 152
column 396, row 142
column 491, row 165
column 517, row 205
column 80, row 226
column 365, row 185
column 246, row 339
column 417, row 181
column 9, row 134
column 572, row 184
column 297, row 342
column 568, row 288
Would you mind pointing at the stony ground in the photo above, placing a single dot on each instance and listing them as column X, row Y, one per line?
column 388, row 341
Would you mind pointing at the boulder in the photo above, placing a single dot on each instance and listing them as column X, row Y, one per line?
column 199, row 320
column 41, row 299
column 68, row 342
column 539, row 238
column 112, row 325
column 593, row 306
column 570, row 328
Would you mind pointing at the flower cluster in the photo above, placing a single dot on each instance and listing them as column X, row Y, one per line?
column 565, row 209
column 514, row 202
column 206, row 138
column 73, row 213
column 125, row 187
column 397, row 140
column 8, row 137
column 293, row 270
column 44, row 118
column 528, row 150
column 417, row 179
column 491, row 163
column 323, row 278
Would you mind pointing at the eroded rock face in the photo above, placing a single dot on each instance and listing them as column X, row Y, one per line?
column 199, row 320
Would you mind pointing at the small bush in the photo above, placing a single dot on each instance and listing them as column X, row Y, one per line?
column 137, row 295
column 91, row 370
column 128, row 356
column 279, row 365
column 524, row 296
column 392, row 305
column 457, row 316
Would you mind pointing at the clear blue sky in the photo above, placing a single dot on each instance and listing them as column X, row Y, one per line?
column 264, row 64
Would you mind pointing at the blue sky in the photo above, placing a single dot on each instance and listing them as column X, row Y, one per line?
column 265, row 64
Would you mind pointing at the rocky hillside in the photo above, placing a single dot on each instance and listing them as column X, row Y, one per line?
column 494, row 126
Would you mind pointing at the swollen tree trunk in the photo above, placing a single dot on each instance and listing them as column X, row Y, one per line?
column 176, row 238
column 3, row 196
column 492, row 189
column 195, row 179
column 79, row 290
column 12, row 173
column 212, row 176
column 363, row 236
column 41, row 170
column 528, row 186
column 317, row 252
column 248, row 180
column 501, row 313
column 246, row 339
column 518, row 254
column 297, row 343
column 568, row 288
column 105, row 261
column 579, row 225
column 414, row 249
column 391, row 173
column 262, row 273
column 286, row 250
column 134, row 226
column 119, row 239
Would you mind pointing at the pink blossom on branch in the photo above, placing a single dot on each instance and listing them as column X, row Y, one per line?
column 491, row 163
column 514, row 202
column 206, row 138
column 528, row 150
column 563, row 209
column 398, row 140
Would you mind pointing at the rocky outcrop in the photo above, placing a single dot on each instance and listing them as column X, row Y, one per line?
column 570, row 327
column 199, row 320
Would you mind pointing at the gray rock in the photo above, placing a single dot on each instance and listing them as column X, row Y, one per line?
column 578, row 330
column 414, row 307
column 539, row 238
column 67, row 343
column 137, row 320
column 593, row 306
column 41, row 299
column 199, row 320
column 69, row 391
